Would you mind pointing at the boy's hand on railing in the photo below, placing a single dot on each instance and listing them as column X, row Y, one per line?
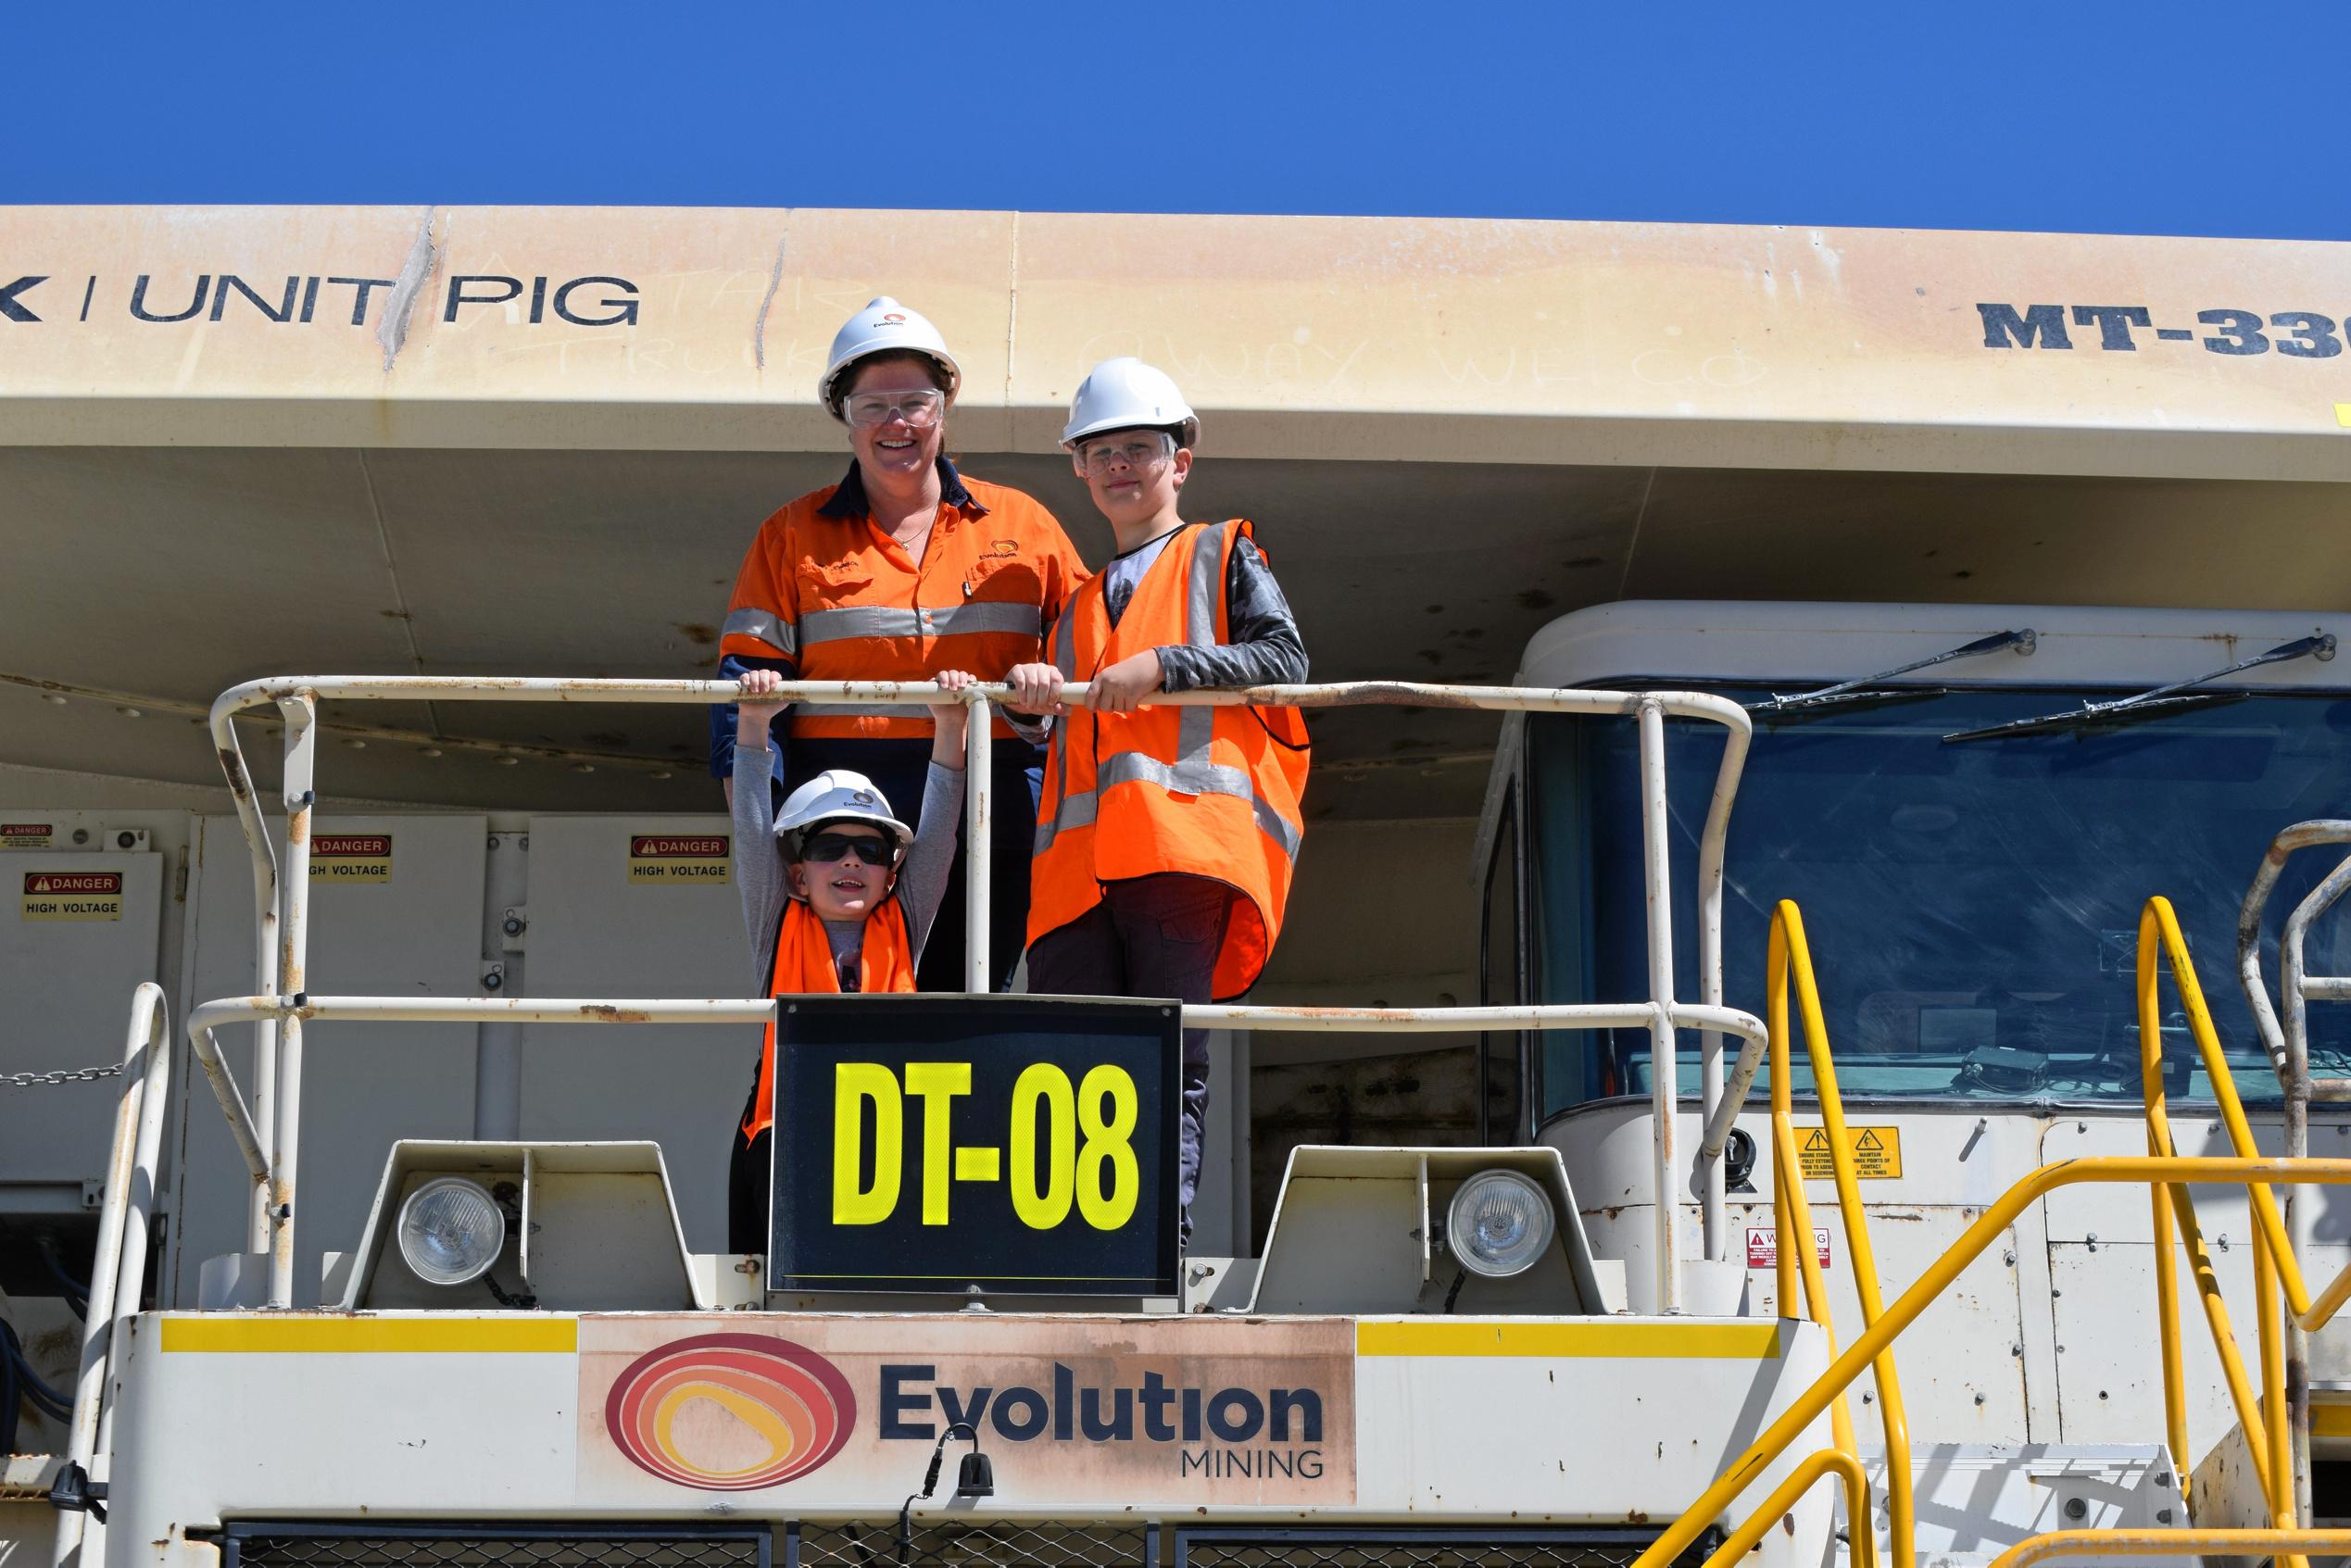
column 752, row 715
column 1121, row 688
column 949, row 720
column 1036, row 688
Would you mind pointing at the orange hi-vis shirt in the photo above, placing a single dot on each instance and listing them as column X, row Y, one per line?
column 804, row 967
column 835, row 598
column 1213, row 792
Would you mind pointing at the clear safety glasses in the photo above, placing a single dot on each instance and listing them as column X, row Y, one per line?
column 1135, row 451
column 921, row 409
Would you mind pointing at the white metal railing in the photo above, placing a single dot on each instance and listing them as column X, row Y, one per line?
column 117, row 1269
column 2289, row 1047
column 269, row 1132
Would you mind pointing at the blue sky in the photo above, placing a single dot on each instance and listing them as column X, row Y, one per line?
column 2082, row 115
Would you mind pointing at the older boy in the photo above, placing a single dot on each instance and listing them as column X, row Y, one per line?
column 1167, row 835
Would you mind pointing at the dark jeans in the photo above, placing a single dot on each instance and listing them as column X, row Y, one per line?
column 747, row 1192
column 1149, row 937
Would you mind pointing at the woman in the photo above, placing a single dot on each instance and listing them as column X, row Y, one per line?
column 901, row 570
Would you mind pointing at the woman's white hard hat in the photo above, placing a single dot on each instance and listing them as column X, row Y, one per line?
column 838, row 796
column 1125, row 393
column 882, row 327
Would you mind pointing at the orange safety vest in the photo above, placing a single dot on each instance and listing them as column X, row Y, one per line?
column 1212, row 792
column 825, row 590
column 804, row 964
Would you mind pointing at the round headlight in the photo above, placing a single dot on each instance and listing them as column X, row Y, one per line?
column 451, row 1231
column 1498, row 1224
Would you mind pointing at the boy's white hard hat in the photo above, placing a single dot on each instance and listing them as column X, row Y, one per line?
column 1125, row 393
column 882, row 326
column 838, row 796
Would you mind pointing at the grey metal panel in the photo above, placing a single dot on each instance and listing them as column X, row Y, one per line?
column 364, row 1085
column 65, row 993
column 594, row 932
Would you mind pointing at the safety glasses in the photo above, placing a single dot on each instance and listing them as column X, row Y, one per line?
column 1135, row 451
column 865, row 410
column 825, row 848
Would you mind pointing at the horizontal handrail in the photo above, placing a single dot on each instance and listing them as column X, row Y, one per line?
column 1323, row 694
column 2174, row 1543
column 1987, row 1229
column 268, row 1133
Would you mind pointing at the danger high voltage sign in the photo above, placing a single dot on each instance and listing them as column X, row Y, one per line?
column 656, row 857
column 364, row 857
column 63, row 895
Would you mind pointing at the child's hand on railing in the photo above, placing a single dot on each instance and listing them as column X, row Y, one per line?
column 949, row 720
column 752, row 715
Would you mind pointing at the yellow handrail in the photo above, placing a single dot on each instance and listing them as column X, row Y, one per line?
column 1865, row 1539
column 2267, row 1422
column 1790, row 956
column 2171, row 1543
column 1987, row 1229
column 2159, row 930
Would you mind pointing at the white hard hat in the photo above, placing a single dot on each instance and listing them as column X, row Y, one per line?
column 1125, row 393
column 838, row 796
column 883, row 325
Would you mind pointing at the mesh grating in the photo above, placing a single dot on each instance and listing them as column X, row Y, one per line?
column 431, row 1546
column 995, row 1544
column 1421, row 1548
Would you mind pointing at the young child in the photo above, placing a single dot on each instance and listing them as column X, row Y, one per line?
column 838, row 894
column 1166, row 835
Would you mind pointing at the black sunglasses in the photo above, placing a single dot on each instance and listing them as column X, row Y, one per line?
column 826, row 847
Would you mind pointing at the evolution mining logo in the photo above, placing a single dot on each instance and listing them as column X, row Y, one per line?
column 1219, row 1434
column 730, row 1412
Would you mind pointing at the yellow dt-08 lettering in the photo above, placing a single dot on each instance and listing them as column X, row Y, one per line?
column 1087, row 1142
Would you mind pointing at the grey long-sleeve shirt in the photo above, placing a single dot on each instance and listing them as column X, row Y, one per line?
column 759, row 864
column 1265, row 649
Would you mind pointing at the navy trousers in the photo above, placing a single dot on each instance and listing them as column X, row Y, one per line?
column 1149, row 937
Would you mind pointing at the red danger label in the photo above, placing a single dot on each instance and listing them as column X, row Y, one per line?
column 24, row 830
column 74, row 882
column 1763, row 1247
column 645, row 847
column 351, row 843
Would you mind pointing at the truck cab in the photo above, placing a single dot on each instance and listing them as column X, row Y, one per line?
column 1972, row 883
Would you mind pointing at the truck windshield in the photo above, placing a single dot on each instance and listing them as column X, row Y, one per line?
column 1973, row 908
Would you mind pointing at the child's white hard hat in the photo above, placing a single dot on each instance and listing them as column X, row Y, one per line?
column 838, row 795
column 884, row 325
column 1125, row 393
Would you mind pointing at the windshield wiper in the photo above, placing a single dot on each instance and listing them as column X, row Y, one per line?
column 1845, row 694
column 2162, row 700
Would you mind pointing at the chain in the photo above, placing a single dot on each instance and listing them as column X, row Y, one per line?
column 63, row 1075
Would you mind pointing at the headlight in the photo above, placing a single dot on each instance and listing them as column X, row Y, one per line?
column 1498, row 1224
column 451, row 1231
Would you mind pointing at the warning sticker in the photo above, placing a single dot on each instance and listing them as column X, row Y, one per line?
column 653, row 858
column 1877, row 1152
column 1763, row 1246
column 26, row 836
column 363, row 858
column 72, row 896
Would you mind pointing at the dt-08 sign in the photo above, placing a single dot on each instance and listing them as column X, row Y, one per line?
column 1002, row 1144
